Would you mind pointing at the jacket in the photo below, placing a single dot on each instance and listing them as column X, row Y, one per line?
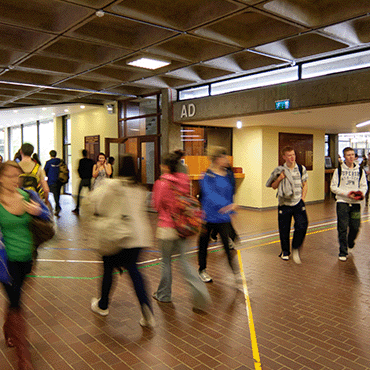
column 350, row 181
column 162, row 201
column 285, row 189
column 52, row 170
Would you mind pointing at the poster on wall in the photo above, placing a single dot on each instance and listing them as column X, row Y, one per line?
column 92, row 145
column 303, row 147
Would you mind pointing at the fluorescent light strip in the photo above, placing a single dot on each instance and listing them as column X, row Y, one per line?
column 363, row 124
column 148, row 63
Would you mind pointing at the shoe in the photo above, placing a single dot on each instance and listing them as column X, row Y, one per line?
column 205, row 277
column 157, row 299
column 214, row 237
column 56, row 213
column 147, row 319
column 343, row 258
column 95, row 307
column 76, row 211
column 296, row 257
column 351, row 246
column 285, row 258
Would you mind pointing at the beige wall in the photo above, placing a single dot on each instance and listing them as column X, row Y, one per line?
column 255, row 149
column 93, row 122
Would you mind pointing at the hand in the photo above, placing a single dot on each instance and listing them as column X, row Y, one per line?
column 281, row 176
column 32, row 207
column 229, row 208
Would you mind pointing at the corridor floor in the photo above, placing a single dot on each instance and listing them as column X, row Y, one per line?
column 309, row 316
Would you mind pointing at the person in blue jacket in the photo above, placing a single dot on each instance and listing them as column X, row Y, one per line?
column 52, row 172
column 217, row 190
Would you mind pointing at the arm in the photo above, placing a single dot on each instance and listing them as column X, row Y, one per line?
column 158, row 193
column 276, row 183
column 304, row 190
column 95, row 172
column 108, row 169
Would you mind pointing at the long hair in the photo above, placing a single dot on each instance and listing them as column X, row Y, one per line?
column 171, row 160
column 5, row 165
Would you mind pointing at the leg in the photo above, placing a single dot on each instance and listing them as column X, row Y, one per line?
column 342, row 227
column 300, row 224
column 224, row 231
column 53, row 190
column 367, row 193
column 57, row 196
column 203, row 245
column 201, row 297
column 109, row 263
column 78, row 195
column 284, row 219
column 354, row 224
column 163, row 292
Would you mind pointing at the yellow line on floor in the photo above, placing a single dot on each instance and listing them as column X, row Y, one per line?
column 252, row 331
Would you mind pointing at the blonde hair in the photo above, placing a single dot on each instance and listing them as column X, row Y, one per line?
column 215, row 152
column 5, row 165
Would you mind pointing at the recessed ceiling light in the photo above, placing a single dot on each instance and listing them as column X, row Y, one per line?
column 15, row 111
column 66, row 110
column 239, row 124
column 82, row 106
column 43, row 108
column 53, row 114
column 148, row 63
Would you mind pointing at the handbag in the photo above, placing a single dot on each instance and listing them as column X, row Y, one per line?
column 4, row 271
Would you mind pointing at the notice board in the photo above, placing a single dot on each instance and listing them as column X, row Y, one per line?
column 302, row 145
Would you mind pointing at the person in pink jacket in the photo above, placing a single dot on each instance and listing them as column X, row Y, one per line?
column 168, row 239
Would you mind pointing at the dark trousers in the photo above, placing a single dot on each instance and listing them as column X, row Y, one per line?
column 348, row 225
column 367, row 193
column 55, row 190
column 127, row 259
column 18, row 271
column 224, row 229
column 83, row 183
column 285, row 214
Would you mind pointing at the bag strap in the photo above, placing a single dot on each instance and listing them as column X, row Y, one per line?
column 35, row 169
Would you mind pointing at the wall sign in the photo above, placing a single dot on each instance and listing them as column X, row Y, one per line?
column 187, row 110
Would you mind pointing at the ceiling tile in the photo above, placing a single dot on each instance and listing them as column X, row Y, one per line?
column 248, row 29
column 176, row 14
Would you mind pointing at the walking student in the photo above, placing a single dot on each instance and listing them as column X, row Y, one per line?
column 291, row 181
column 52, row 173
column 349, row 184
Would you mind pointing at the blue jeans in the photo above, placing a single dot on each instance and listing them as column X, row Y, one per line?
column 201, row 297
column 285, row 214
column 348, row 225
column 127, row 259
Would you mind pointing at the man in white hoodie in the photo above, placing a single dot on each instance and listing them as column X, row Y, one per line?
column 349, row 185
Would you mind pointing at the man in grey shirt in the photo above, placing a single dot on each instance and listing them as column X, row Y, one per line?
column 291, row 182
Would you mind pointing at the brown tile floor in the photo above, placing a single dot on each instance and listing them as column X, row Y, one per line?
column 309, row 316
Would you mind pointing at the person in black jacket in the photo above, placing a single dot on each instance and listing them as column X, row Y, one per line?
column 85, row 168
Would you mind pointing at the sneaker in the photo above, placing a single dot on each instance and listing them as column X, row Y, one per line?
column 285, row 258
column 95, row 307
column 205, row 277
column 296, row 257
column 343, row 258
column 147, row 318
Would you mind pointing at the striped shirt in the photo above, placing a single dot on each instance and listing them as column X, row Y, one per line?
column 297, row 188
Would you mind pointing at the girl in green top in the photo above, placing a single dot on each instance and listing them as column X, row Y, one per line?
column 16, row 210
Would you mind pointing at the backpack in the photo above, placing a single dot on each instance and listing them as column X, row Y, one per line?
column 63, row 172
column 186, row 213
column 31, row 181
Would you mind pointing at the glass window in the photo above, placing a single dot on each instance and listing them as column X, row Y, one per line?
column 46, row 132
column 30, row 135
column 195, row 92
column 337, row 64
column 141, row 106
column 256, row 80
column 15, row 140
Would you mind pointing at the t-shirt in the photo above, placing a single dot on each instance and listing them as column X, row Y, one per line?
column 297, row 186
column 16, row 234
column 27, row 167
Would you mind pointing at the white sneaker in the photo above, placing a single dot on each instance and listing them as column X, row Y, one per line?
column 296, row 257
column 343, row 258
column 147, row 319
column 285, row 258
column 95, row 307
column 205, row 277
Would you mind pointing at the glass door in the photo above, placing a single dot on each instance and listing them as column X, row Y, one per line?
column 148, row 166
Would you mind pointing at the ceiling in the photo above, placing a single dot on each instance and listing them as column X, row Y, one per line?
column 75, row 51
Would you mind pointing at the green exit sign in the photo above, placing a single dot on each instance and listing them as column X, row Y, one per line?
column 282, row 104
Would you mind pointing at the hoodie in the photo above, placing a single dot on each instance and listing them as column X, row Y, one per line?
column 350, row 181
column 162, row 200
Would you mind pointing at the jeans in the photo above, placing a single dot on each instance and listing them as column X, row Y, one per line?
column 18, row 271
column 83, row 183
column 285, row 214
column 225, row 230
column 127, row 258
column 201, row 297
column 349, row 220
column 55, row 190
